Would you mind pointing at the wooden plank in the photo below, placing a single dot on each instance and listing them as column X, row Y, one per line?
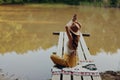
column 96, row 77
column 87, row 78
column 56, row 74
column 77, row 77
column 56, row 33
column 56, row 77
column 84, row 47
column 65, row 76
column 60, row 44
column 59, row 53
column 80, row 53
column 81, row 58
column 87, row 56
column 84, row 34
column 65, row 42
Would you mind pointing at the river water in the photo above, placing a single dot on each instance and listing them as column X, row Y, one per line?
column 26, row 40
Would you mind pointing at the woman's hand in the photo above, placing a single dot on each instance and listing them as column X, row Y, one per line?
column 66, row 27
column 74, row 19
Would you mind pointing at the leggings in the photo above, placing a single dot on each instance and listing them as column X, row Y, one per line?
column 66, row 60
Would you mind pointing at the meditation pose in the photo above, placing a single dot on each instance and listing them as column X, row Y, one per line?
column 70, row 56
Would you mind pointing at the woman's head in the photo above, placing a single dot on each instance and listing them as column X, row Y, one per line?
column 75, row 28
column 75, row 33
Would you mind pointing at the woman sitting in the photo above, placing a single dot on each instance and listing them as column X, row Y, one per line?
column 70, row 57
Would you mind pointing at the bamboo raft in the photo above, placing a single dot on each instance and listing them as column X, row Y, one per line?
column 79, row 72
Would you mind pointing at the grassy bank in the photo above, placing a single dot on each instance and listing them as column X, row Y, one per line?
column 100, row 3
column 52, row 5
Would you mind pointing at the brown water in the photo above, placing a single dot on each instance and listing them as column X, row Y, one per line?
column 24, row 28
column 26, row 39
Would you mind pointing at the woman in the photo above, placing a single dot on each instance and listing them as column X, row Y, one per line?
column 70, row 57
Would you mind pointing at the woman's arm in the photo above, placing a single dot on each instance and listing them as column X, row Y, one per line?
column 74, row 19
column 68, row 25
column 68, row 33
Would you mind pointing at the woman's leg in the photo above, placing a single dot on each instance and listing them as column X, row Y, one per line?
column 58, row 60
column 71, row 60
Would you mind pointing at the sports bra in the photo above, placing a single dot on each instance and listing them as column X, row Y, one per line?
column 69, row 51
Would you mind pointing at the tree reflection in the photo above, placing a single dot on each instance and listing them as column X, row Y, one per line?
column 29, row 28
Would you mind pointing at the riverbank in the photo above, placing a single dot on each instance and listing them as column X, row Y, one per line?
column 101, row 3
column 47, row 5
column 110, row 75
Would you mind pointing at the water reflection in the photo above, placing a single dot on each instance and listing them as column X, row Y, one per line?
column 35, row 65
column 23, row 26
column 107, row 61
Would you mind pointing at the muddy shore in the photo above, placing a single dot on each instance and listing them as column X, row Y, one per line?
column 110, row 75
